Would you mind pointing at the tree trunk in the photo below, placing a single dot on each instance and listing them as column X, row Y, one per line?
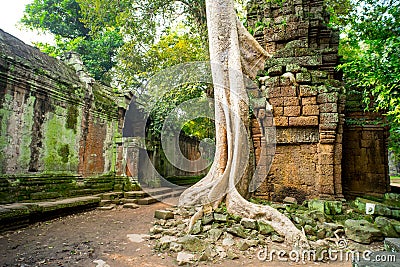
column 228, row 178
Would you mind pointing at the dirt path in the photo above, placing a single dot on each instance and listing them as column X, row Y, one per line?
column 81, row 239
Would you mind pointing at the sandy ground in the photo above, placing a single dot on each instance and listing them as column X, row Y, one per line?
column 81, row 239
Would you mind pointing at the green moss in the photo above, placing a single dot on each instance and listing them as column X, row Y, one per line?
column 63, row 152
column 5, row 113
column 28, row 118
column 72, row 118
column 60, row 143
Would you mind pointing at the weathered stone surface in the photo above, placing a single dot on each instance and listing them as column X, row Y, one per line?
column 228, row 241
column 231, row 255
column 362, row 231
column 208, row 218
column 138, row 238
column 290, row 200
column 387, row 226
column 333, row 207
column 165, row 241
column 197, row 228
column 175, row 247
column 156, row 229
column 163, row 214
column 392, row 244
column 185, row 258
column 249, row 223
column 220, row 217
column 277, row 239
column 192, row 243
column 318, row 205
column 214, row 234
column 264, row 228
column 237, row 230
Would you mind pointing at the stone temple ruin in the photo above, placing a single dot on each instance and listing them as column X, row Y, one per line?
column 319, row 153
column 61, row 130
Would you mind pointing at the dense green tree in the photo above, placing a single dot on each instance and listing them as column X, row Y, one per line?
column 60, row 17
column 64, row 20
column 371, row 55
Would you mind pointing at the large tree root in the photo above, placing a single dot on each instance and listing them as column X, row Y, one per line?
column 233, row 50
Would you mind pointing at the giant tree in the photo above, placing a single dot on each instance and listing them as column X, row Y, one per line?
column 233, row 51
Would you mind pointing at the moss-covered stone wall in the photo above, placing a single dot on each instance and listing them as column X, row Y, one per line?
column 57, row 126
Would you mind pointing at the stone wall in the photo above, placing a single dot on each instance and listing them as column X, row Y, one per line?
column 190, row 150
column 57, row 125
column 309, row 110
column 300, row 83
column 365, row 150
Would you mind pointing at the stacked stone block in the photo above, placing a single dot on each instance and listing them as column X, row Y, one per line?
column 300, row 83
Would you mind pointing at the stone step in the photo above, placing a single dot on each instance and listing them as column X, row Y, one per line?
column 112, row 195
column 154, row 199
column 13, row 216
column 147, row 192
column 129, row 201
column 392, row 244
column 108, row 207
column 105, row 202
column 135, row 194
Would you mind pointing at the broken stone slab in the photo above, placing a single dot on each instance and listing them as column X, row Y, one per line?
column 231, row 255
column 197, row 228
column 249, row 223
column 367, row 206
column 328, row 207
column 277, row 239
column 362, row 231
column 313, row 216
column 192, row 243
column 237, row 230
column 316, row 204
column 208, row 254
column 245, row 244
column 331, row 226
column 165, row 241
column 228, row 242
column 101, row 263
column 214, row 234
column 163, row 214
column 156, row 229
column 386, row 226
column 333, row 207
column 138, row 238
column 393, row 197
column 130, row 206
column 110, row 207
column 208, row 218
column 264, row 228
column 185, row 258
column 175, row 247
column 220, row 217
column 290, row 200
